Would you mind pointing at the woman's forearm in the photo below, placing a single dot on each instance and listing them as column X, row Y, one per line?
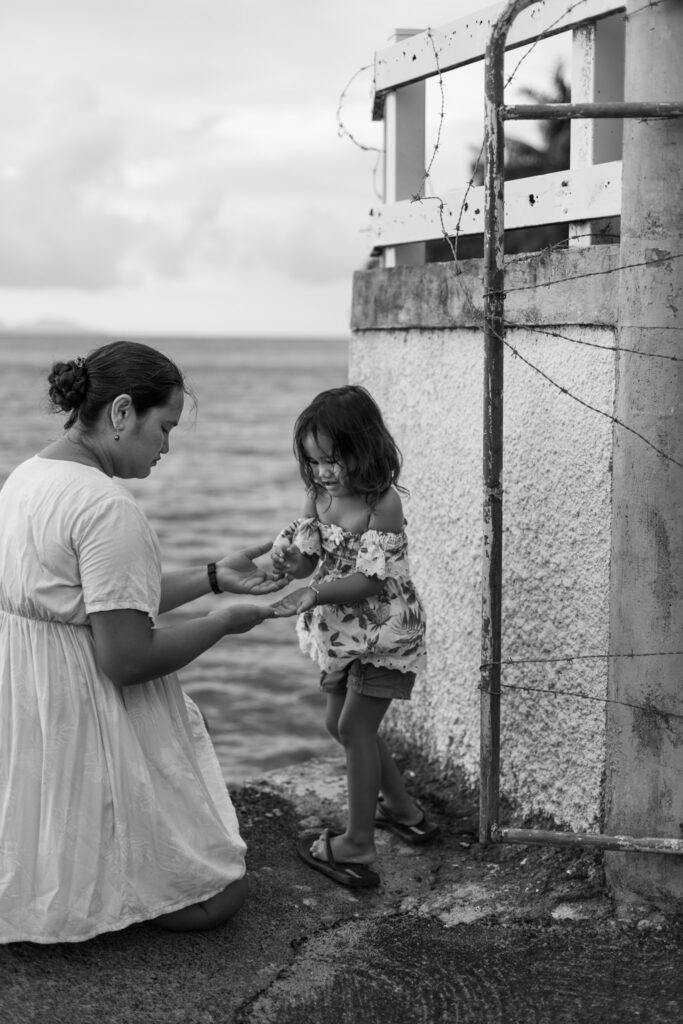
column 237, row 573
column 170, row 649
column 130, row 652
column 181, row 586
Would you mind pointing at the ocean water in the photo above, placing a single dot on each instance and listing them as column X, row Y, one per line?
column 229, row 481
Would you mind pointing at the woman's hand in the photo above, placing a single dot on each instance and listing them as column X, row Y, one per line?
column 239, row 574
column 301, row 600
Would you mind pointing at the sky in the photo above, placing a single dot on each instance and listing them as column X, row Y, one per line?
column 177, row 166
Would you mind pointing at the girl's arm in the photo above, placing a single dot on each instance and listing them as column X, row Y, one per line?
column 236, row 574
column 387, row 517
column 130, row 650
column 287, row 559
column 349, row 590
column 289, row 563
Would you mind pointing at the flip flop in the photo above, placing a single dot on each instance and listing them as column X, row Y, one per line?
column 421, row 832
column 356, row 876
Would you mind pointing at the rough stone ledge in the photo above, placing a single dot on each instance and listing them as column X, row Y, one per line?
column 453, row 932
column 452, row 880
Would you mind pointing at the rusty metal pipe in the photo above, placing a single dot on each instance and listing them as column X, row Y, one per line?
column 494, row 331
column 564, row 111
column 626, row 844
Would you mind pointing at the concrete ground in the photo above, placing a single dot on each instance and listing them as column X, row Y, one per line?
column 455, row 933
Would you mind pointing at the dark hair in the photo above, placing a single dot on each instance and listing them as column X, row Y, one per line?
column 351, row 419
column 84, row 386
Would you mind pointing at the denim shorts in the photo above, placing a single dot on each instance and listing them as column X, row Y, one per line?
column 369, row 680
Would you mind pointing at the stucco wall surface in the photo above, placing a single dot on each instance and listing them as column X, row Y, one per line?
column 557, row 484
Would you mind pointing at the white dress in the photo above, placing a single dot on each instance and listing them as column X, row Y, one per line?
column 113, row 808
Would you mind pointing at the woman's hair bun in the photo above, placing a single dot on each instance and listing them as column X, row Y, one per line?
column 68, row 384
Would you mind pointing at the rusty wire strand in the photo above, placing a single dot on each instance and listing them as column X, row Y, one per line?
column 419, row 197
column 343, row 131
column 645, row 7
column 451, row 239
column 590, row 344
column 592, row 273
column 543, row 35
column 560, row 246
column 583, row 657
column 587, row 405
column 442, row 112
column 647, row 708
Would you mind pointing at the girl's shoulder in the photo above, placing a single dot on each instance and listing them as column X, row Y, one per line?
column 387, row 515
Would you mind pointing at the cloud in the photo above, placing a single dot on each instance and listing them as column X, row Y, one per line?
column 95, row 199
column 153, row 151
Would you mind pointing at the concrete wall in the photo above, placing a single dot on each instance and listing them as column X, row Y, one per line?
column 417, row 345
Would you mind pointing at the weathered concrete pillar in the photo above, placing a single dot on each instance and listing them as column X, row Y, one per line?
column 644, row 777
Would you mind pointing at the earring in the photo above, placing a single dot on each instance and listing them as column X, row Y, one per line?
column 117, row 436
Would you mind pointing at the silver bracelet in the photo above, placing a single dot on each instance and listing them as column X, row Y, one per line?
column 316, row 591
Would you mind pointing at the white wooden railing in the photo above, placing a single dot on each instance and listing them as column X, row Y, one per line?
column 589, row 190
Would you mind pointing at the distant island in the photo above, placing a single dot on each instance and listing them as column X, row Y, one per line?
column 48, row 325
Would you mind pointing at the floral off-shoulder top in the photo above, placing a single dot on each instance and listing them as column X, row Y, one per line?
column 387, row 629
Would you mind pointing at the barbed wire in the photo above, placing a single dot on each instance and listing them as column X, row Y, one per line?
column 646, row 708
column 586, row 405
column 343, row 131
column 582, row 657
column 590, row 344
column 591, row 273
column 562, row 245
column 547, row 32
column 645, row 7
column 442, row 114
column 542, row 36
column 418, row 197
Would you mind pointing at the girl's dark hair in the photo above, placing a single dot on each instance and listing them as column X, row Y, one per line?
column 350, row 418
column 84, row 386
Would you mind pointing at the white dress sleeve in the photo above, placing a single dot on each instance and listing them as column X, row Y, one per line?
column 304, row 533
column 384, row 555
column 118, row 556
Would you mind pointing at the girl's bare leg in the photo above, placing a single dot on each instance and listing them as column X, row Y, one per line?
column 357, row 724
column 209, row 913
column 335, row 706
column 396, row 797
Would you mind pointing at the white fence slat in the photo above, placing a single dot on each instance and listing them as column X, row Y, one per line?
column 597, row 76
column 563, row 196
column 404, row 149
column 461, row 42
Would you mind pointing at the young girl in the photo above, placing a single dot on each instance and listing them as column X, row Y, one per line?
column 360, row 617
